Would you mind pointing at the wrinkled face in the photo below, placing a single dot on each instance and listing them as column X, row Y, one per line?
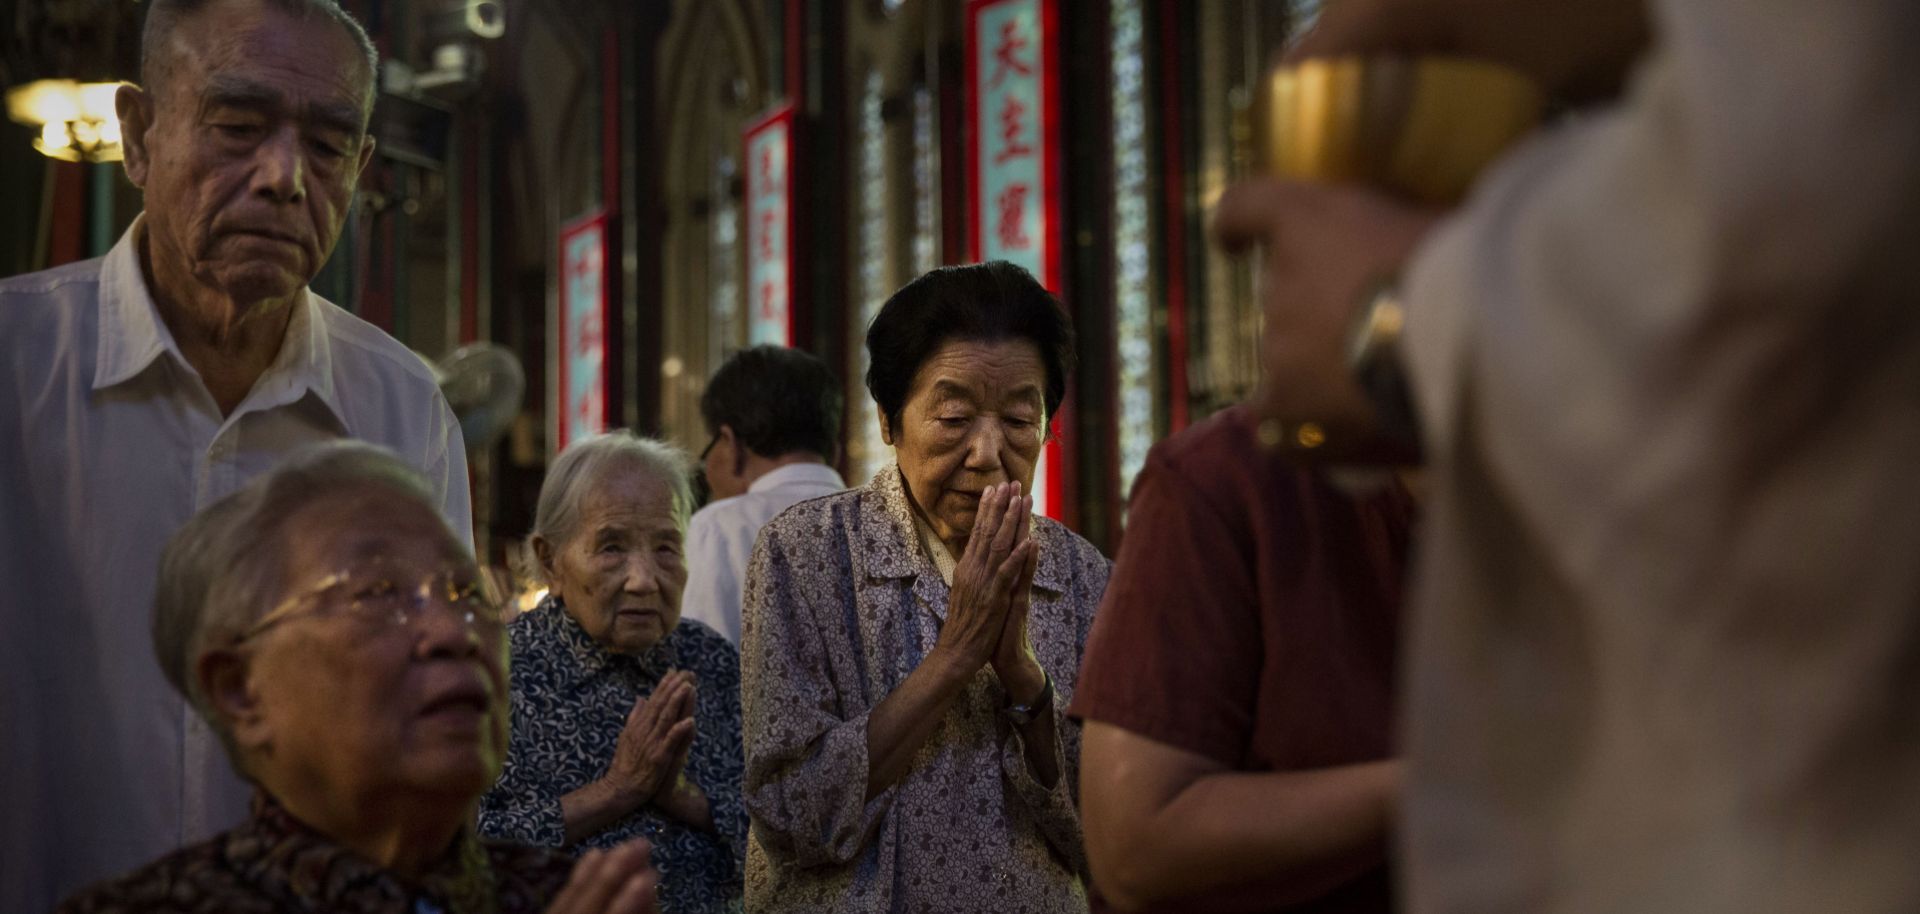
column 975, row 416
column 622, row 571
column 358, row 703
column 253, row 143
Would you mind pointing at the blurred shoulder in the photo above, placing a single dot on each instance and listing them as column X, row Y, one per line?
column 23, row 291
column 1080, row 553
column 50, row 315
column 191, row 879
column 1221, row 451
column 526, row 878
column 360, row 348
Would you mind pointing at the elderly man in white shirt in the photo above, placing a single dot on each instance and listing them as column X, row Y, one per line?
column 1667, row 362
column 138, row 388
column 774, row 414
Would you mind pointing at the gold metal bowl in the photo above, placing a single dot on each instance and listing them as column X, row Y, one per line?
column 1420, row 126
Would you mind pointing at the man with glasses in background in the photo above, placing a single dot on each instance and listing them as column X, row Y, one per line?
column 775, row 418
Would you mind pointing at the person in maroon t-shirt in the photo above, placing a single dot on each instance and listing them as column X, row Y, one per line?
column 1238, row 686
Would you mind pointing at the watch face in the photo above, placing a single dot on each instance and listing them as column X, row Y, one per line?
column 1024, row 714
column 1376, row 329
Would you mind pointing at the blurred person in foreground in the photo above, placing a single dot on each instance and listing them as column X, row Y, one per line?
column 1665, row 364
column 1239, row 687
column 142, row 386
column 774, row 414
column 334, row 633
column 626, row 717
column 909, row 646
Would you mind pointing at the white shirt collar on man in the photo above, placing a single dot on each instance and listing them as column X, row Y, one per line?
column 132, row 335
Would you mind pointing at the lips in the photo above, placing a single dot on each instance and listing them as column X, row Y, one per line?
column 464, row 697
column 264, row 231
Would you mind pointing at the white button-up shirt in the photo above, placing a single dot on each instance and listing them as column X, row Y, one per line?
column 720, row 540
column 109, row 442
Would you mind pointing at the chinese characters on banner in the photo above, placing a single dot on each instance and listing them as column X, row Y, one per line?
column 582, row 340
column 1013, row 153
column 769, row 153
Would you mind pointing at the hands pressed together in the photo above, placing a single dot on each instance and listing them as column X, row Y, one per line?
column 651, row 755
column 648, row 768
column 617, row 881
column 992, row 591
column 650, row 759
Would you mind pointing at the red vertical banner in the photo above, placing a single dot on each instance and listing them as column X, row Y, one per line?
column 581, row 342
column 1013, row 169
column 769, row 161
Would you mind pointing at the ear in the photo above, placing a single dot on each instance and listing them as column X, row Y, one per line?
column 366, row 153
column 224, row 679
column 134, row 107
column 886, row 431
column 544, row 554
column 733, row 445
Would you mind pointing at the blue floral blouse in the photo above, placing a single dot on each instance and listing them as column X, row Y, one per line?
column 570, row 701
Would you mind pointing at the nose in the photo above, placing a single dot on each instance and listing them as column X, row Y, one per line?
column 642, row 577
column 279, row 167
column 444, row 627
column 983, row 448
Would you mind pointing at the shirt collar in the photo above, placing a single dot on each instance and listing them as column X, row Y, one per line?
column 288, row 860
column 797, row 474
column 897, row 550
column 936, row 549
column 132, row 334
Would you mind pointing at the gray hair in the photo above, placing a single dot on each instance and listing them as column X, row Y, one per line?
column 164, row 16
column 224, row 568
column 586, row 462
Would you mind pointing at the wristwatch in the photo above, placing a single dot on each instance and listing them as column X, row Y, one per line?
column 1373, row 355
column 1022, row 715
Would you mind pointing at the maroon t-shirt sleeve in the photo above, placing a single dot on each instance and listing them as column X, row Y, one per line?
column 1176, row 647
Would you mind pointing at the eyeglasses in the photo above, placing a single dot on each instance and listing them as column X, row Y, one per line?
column 382, row 595
column 702, row 486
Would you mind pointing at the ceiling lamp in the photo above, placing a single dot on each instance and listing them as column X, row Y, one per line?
column 76, row 120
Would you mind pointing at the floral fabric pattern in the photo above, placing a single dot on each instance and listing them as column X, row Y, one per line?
column 570, row 700
column 274, row 863
column 842, row 603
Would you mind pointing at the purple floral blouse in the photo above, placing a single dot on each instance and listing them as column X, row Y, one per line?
column 842, row 602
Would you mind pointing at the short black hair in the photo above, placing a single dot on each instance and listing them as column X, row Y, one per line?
column 163, row 16
column 778, row 401
column 984, row 302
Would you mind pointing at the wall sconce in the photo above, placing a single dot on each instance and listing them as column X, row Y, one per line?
column 76, row 120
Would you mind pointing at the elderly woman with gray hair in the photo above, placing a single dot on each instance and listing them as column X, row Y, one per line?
column 334, row 633
column 626, row 718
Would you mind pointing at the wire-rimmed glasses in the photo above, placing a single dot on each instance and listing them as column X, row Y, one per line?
column 382, row 594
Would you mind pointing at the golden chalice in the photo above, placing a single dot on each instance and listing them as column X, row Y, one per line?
column 1423, row 127
column 1420, row 127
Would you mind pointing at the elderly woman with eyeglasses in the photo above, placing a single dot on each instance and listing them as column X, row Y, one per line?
column 337, row 637
column 626, row 718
